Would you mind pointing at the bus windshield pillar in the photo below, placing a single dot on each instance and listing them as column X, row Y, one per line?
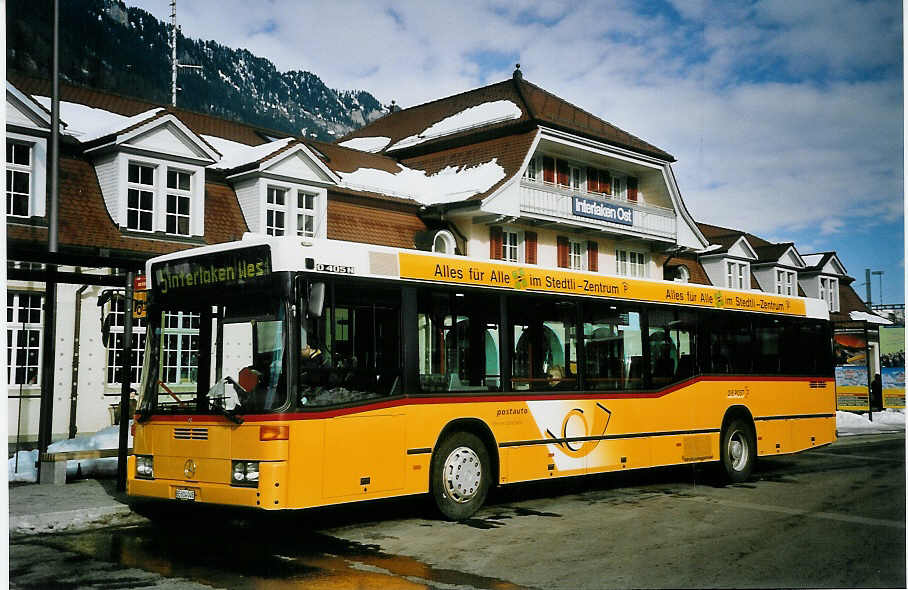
column 410, row 338
column 204, row 362
column 504, row 343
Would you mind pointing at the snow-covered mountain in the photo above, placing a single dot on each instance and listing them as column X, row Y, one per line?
column 107, row 45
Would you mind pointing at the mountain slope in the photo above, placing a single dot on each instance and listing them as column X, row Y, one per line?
column 105, row 45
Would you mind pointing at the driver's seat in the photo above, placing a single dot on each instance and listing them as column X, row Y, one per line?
column 248, row 379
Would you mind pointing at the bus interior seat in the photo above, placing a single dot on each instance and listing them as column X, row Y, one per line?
column 636, row 369
column 685, row 366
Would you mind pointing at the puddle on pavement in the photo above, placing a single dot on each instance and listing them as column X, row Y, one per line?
column 237, row 554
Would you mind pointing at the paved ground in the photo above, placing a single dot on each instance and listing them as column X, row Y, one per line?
column 834, row 517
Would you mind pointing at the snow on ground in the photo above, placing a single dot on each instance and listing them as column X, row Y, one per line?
column 237, row 154
column 851, row 423
column 445, row 186
column 483, row 114
column 367, row 144
column 108, row 438
column 88, row 123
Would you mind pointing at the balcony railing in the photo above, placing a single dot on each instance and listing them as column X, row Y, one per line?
column 555, row 201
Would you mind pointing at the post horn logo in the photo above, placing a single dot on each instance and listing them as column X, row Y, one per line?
column 189, row 469
column 581, row 446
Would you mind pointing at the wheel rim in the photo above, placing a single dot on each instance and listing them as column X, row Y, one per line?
column 462, row 474
column 738, row 451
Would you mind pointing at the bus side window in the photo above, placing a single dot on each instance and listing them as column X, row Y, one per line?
column 613, row 347
column 544, row 354
column 457, row 342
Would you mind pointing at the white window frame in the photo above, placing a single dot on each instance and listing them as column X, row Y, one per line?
column 511, row 241
column 576, row 255
column 140, row 188
column 14, row 169
column 116, row 308
column 631, row 263
column 785, row 282
column 18, row 327
column 116, row 195
column 829, row 292
column 449, row 245
column 37, row 171
column 276, row 210
column 618, row 186
column 182, row 329
column 178, row 194
column 737, row 275
column 682, row 274
column 532, row 171
column 304, row 212
column 576, row 178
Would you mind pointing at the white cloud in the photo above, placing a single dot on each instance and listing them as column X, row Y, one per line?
column 783, row 115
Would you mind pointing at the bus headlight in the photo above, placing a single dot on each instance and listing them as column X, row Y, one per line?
column 144, row 467
column 244, row 473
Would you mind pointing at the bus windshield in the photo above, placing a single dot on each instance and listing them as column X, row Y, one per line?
column 223, row 359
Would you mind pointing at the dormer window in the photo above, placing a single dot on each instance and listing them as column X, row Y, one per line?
column 275, row 211
column 829, row 292
column 18, row 179
column 785, row 282
column 281, row 212
column 737, row 275
column 179, row 198
column 140, row 198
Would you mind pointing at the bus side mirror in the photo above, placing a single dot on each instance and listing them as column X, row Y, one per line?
column 316, row 299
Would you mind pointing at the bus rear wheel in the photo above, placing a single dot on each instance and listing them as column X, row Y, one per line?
column 461, row 474
column 738, row 450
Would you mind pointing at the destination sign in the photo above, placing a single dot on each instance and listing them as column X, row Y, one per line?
column 234, row 268
column 596, row 209
column 529, row 278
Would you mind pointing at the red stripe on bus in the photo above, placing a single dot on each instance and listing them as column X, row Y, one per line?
column 458, row 399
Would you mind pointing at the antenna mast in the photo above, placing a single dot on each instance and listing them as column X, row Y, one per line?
column 173, row 53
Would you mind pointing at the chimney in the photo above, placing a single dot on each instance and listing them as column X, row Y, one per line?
column 518, row 75
column 393, row 106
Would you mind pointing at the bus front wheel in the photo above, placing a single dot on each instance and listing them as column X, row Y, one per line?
column 738, row 450
column 461, row 475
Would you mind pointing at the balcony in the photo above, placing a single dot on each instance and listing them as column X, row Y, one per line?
column 555, row 203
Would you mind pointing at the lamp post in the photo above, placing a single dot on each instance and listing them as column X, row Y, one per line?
column 879, row 273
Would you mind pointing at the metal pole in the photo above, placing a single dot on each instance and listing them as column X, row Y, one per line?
column 173, row 53
column 125, row 383
column 869, row 378
column 46, row 415
column 867, row 283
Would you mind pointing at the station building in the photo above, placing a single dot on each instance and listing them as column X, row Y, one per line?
column 508, row 171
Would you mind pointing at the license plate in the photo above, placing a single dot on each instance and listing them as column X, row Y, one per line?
column 185, row 494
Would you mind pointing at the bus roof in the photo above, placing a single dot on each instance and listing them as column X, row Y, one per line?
column 340, row 258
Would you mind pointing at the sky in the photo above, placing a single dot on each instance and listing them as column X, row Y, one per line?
column 785, row 116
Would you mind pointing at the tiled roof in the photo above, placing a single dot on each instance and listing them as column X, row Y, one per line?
column 688, row 260
column 359, row 220
column 848, row 301
column 538, row 107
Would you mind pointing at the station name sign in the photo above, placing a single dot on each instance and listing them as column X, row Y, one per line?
column 529, row 278
column 236, row 268
column 596, row 209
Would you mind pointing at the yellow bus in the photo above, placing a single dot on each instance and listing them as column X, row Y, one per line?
column 284, row 373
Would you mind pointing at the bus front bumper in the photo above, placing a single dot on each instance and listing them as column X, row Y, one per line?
column 271, row 493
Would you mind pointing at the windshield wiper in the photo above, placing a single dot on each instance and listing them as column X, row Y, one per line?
column 231, row 415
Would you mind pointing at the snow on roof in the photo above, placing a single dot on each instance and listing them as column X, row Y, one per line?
column 239, row 154
column 367, row 144
column 483, row 114
column 446, row 186
column 871, row 318
column 812, row 259
column 88, row 123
